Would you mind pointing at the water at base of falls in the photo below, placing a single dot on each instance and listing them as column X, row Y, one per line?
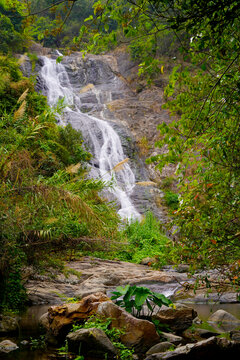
column 105, row 145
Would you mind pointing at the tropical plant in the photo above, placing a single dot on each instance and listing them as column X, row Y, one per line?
column 133, row 298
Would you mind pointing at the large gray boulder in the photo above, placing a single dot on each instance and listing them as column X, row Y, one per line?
column 91, row 342
column 223, row 321
column 212, row 348
column 138, row 333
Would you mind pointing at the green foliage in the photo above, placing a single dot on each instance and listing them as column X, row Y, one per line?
column 132, row 298
column 39, row 343
column 171, row 199
column 11, row 30
column 145, row 239
column 56, row 27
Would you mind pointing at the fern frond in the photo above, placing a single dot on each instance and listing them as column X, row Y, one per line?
column 119, row 166
column 146, row 183
column 18, row 114
column 23, row 96
column 73, row 169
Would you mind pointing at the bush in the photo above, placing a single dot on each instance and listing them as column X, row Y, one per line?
column 145, row 239
column 171, row 199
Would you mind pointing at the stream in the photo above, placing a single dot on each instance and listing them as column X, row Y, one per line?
column 29, row 329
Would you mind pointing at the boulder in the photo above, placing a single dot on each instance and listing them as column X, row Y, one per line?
column 235, row 335
column 223, row 316
column 178, row 319
column 7, row 346
column 8, row 324
column 60, row 319
column 43, row 321
column 174, row 339
column 138, row 333
column 205, row 334
column 182, row 268
column 224, row 321
column 198, row 334
column 91, row 343
column 212, row 348
column 160, row 347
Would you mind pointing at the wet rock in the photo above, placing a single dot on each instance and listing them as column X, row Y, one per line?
column 182, row 268
column 212, row 348
column 161, row 347
column 43, row 321
column 7, row 346
column 174, row 339
column 24, row 342
column 8, row 324
column 199, row 334
column 61, row 318
column 235, row 335
column 223, row 316
column 92, row 342
column 178, row 319
column 224, row 321
column 140, row 334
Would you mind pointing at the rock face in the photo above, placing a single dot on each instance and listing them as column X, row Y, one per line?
column 8, row 324
column 178, row 319
column 140, row 334
column 98, row 276
column 212, row 348
column 92, row 343
column 7, row 346
column 107, row 88
column 61, row 318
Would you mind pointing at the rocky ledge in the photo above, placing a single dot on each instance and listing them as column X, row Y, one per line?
column 89, row 275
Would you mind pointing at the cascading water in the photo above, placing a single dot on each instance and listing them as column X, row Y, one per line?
column 105, row 142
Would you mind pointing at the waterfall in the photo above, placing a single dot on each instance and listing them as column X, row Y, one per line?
column 104, row 141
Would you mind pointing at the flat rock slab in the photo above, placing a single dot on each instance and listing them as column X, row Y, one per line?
column 97, row 275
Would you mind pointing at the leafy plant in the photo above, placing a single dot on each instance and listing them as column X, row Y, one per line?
column 132, row 298
column 145, row 239
column 171, row 199
column 39, row 343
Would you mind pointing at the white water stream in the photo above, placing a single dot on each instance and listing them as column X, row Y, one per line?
column 105, row 141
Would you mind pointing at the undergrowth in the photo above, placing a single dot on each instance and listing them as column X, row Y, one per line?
column 139, row 240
